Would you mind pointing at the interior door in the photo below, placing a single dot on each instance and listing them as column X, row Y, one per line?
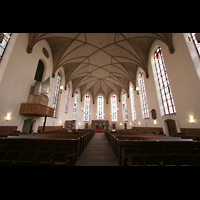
column 125, row 125
column 171, row 124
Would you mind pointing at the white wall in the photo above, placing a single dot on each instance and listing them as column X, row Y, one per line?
column 181, row 68
column 107, row 110
column 19, row 76
column 184, row 84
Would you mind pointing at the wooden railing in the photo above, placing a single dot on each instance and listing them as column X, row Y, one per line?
column 36, row 109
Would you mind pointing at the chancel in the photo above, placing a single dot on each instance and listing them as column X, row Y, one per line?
column 99, row 99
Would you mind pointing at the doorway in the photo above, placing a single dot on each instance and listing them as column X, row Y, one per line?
column 27, row 125
column 171, row 124
column 125, row 125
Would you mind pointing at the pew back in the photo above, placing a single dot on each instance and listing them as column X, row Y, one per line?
column 4, row 129
column 161, row 147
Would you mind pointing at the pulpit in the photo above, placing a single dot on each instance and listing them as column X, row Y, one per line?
column 37, row 103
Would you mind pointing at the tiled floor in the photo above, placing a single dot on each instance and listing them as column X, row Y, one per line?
column 98, row 153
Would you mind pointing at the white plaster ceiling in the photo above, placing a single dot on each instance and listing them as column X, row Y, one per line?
column 100, row 62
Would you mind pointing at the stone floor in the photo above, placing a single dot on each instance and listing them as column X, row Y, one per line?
column 98, row 153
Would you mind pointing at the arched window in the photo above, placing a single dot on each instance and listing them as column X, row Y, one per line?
column 75, row 110
column 124, row 106
column 67, row 98
column 113, row 100
column 87, row 108
column 39, row 71
column 197, row 45
column 5, row 37
column 100, row 107
column 132, row 102
column 163, row 81
column 143, row 96
column 55, row 99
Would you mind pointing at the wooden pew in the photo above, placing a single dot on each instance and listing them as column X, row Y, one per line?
column 53, row 140
column 158, row 130
column 193, row 133
column 155, row 149
column 85, row 135
column 133, row 135
column 15, row 133
column 40, row 128
column 110, row 134
column 4, row 129
column 34, row 155
column 126, row 147
column 39, row 142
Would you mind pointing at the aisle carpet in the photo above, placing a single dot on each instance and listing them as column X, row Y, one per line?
column 98, row 153
column 99, row 130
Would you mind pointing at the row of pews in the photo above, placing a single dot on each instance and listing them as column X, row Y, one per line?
column 134, row 148
column 51, row 148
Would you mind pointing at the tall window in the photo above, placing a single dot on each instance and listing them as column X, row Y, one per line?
column 132, row 102
column 163, row 81
column 4, row 42
column 55, row 99
column 124, row 106
column 87, row 108
column 197, row 45
column 114, row 108
column 100, row 107
column 75, row 110
column 143, row 96
column 67, row 98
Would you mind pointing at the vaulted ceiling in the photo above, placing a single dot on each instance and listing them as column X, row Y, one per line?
column 100, row 62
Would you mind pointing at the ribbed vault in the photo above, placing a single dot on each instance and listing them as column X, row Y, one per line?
column 100, row 62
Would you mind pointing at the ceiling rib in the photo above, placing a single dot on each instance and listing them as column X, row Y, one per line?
column 120, row 55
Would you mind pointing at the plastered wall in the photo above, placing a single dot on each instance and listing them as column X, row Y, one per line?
column 19, row 67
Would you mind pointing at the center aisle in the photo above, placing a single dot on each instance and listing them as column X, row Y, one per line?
column 98, row 153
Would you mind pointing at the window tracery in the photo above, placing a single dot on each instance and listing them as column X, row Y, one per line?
column 4, row 43
column 143, row 96
column 87, row 108
column 132, row 102
column 100, row 107
column 163, row 81
column 124, row 106
column 75, row 109
column 197, row 45
column 113, row 108
column 67, row 98
column 56, row 94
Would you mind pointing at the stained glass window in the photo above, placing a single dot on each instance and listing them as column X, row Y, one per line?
column 67, row 98
column 55, row 99
column 4, row 43
column 197, row 45
column 143, row 96
column 113, row 108
column 124, row 106
column 100, row 107
column 132, row 102
column 87, row 108
column 165, row 89
column 75, row 110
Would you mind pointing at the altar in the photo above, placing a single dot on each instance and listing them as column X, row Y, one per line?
column 100, row 124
